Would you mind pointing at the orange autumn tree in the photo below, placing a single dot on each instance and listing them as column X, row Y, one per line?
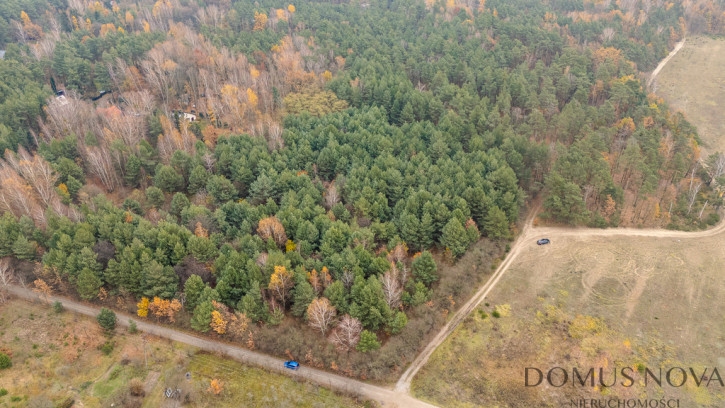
column 164, row 308
column 281, row 282
column 31, row 30
column 143, row 307
column 225, row 321
column 200, row 231
column 216, row 386
column 218, row 324
column 260, row 21
column 319, row 281
column 270, row 227
column 42, row 288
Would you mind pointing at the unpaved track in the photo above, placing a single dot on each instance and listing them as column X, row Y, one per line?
column 403, row 384
column 664, row 62
column 528, row 237
column 400, row 395
column 388, row 397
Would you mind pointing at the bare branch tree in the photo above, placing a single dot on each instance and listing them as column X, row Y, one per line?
column 718, row 167
column 332, row 197
column 320, row 314
column 391, row 287
column 692, row 196
column 346, row 334
column 6, row 278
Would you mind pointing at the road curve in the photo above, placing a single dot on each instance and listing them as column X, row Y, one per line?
column 403, row 384
column 387, row 397
column 400, row 395
column 664, row 62
column 527, row 237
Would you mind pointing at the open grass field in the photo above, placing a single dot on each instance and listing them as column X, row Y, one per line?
column 609, row 302
column 57, row 359
column 694, row 81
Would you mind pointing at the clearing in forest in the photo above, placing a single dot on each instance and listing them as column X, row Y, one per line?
column 606, row 302
column 694, row 81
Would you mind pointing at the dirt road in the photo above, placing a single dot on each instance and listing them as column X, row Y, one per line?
column 400, row 395
column 528, row 237
column 664, row 62
column 387, row 397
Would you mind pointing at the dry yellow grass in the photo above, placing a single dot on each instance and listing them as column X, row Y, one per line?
column 694, row 81
column 57, row 356
column 589, row 302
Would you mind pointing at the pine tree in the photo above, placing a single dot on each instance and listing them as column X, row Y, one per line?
column 454, row 237
column 338, row 296
column 407, row 115
column 368, row 342
column 193, row 289
column 368, row 303
column 201, row 319
column 425, row 232
column 88, row 283
column 253, row 305
column 168, row 179
column 178, row 254
column 9, row 230
column 106, row 319
column 303, row 295
column 133, row 171
column 233, row 284
column 161, row 281
column 398, row 322
column 155, row 197
column 198, row 179
column 424, row 268
column 496, row 224
column 220, row 189
column 178, row 203
column 410, row 230
column 24, row 249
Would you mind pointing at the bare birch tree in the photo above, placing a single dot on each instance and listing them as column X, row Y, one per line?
column 320, row 314
column 346, row 334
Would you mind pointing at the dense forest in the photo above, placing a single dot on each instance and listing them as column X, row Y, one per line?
column 260, row 170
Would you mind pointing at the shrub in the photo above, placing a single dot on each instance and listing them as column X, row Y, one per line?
column 57, row 307
column 168, row 179
column 368, row 342
column 132, row 205
column 136, row 387
column 107, row 347
column 66, row 403
column 155, row 197
column 39, row 401
column 424, row 268
column 712, row 219
column 132, row 327
column 5, row 361
column 107, row 319
column 496, row 314
column 3, row 392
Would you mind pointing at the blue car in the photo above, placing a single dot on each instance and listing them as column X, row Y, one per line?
column 292, row 365
column 543, row 241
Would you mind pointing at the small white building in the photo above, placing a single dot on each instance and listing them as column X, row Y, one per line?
column 190, row 117
column 62, row 100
